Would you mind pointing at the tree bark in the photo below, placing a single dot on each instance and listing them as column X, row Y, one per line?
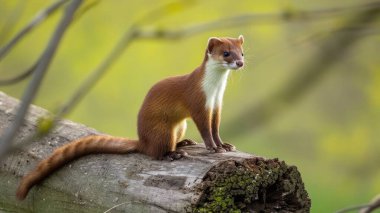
column 203, row 182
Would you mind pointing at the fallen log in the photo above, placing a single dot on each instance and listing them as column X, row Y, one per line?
column 203, row 182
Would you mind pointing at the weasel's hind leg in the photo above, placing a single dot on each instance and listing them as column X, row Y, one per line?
column 175, row 155
column 180, row 132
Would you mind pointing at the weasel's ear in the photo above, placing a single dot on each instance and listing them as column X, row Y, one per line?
column 241, row 39
column 212, row 42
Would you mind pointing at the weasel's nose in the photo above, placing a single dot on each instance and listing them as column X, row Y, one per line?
column 239, row 63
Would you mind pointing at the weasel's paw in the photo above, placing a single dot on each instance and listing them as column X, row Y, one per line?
column 229, row 147
column 220, row 149
column 175, row 155
column 211, row 149
column 186, row 142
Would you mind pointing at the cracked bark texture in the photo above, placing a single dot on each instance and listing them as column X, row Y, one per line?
column 204, row 182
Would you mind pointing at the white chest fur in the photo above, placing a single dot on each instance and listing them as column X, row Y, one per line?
column 214, row 83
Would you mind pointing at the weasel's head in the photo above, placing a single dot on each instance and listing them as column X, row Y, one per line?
column 225, row 53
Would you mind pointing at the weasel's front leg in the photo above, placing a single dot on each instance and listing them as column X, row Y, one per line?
column 203, row 122
column 181, row 128
column 216, row 116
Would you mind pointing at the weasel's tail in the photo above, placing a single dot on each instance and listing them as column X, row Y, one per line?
column 71, row 151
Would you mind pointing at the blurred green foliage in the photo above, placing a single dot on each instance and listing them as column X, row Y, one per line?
column 331, row 133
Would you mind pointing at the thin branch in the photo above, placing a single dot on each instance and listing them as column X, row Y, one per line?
column 373, row 205
column 21, row 76
column 365, row 208
column 41, row 16
column 18, row 78
column 247, row 19
column 352, row 208
column 96, row 74
column 33, row 86
column 84, row 8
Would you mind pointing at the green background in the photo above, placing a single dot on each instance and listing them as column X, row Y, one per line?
column 331, row 132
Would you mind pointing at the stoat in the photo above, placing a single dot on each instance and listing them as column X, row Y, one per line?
column 162, row 117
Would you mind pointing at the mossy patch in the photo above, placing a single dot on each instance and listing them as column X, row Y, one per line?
column 253, row 185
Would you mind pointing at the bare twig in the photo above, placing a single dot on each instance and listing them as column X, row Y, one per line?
column 246, row 19
column 32, row 89
column 84, row 8
column 41, row 16
column 373, row 205
column 21, row 76
column 353, row 208
column 365, row 208
column 31, row 69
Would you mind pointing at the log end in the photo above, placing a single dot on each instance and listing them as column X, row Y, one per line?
column 253, row 185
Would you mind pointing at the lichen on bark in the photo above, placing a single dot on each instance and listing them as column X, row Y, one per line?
column 253, row 185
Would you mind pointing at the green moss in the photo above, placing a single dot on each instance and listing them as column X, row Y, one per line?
column 253, row 185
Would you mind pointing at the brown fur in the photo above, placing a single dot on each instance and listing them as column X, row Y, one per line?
column 160, row 120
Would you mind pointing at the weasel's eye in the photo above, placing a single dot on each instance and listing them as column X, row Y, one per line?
column 242, row 54
column 226, row 54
